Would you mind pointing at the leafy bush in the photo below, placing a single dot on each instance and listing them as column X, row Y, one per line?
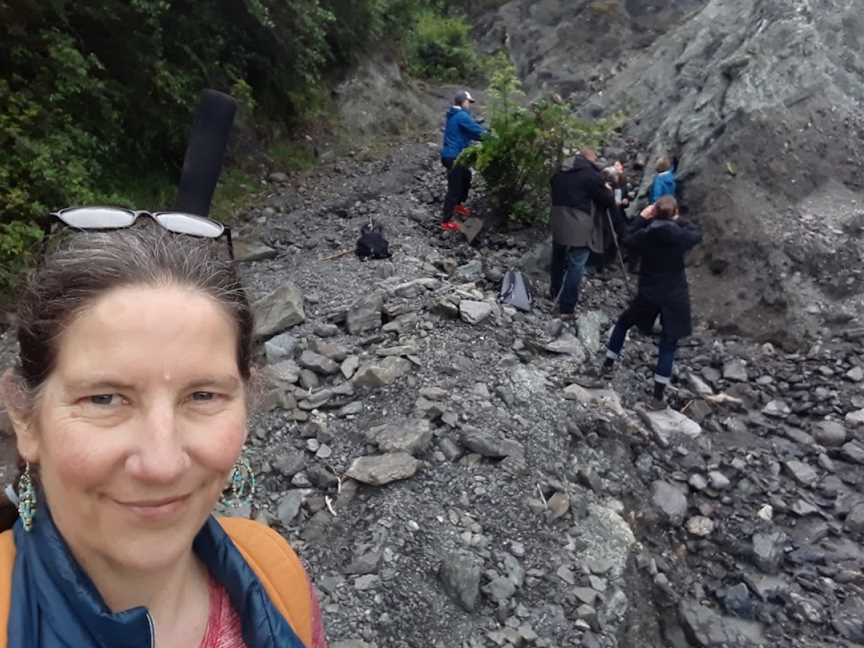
column 440, row 48
column 526, row 146
column 18, row 243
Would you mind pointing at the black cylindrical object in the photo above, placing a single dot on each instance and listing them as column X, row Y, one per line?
column 203, row 162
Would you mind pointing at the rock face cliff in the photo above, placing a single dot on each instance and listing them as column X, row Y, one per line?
column 763, row 100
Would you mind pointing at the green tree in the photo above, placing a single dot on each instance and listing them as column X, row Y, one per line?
column 526, row 145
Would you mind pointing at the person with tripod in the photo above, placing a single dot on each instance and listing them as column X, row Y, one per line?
column 663, row 240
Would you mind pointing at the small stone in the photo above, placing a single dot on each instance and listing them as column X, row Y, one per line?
column 367, row 582
column 855, row 519
column 853, row 451
column 380, row 374
column 278, row 311
column 318, row 363
column 559, row 505
column 671, row 502
column 383, row 469
column 768, row 550
column 489, row 445
column 289, row 506
column 856, row 374
column 735, row 370
column 700, row 526
column 460, row 576
column 280, row 347
column 474, row 312
column 777, row 409
column 855, row 418
column 830, row 434
column 411, row 436
column 719, row 481
column 364, row 315
column 803, row 473
column 349, row 366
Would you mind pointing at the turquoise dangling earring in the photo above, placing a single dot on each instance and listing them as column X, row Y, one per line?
column 26, row 499
column 242, row 482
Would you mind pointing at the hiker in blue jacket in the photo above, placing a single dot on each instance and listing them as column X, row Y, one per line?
column 460, row 130
column 664, row 182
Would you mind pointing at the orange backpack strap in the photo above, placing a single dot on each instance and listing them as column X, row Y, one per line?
column 279, row 570
column 7, row 566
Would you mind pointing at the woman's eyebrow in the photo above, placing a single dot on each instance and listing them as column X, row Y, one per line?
column 99, row 384
column 223, row 382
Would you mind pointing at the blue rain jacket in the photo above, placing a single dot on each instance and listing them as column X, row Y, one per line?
column 460, row 130
column 54, row 603
column 663, row 185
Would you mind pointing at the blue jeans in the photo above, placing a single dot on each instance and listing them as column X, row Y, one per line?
column 665, row 351
column 568, row 267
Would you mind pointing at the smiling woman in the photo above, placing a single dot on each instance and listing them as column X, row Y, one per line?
column 130, row 411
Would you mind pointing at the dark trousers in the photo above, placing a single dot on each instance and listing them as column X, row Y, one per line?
column 568, row 267
column 665, row 351
column 458, row 186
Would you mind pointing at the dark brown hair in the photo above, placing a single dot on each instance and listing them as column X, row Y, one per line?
column 663, row 165
column 667, row 208
column 83, row 266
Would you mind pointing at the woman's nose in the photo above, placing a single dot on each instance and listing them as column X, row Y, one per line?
column 160, row 455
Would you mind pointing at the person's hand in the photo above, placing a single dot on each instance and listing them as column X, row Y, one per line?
column 649, row 212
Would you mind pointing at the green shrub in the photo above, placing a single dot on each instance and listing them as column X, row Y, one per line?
column 526, row 146
column 440, row 48
column 18, row 245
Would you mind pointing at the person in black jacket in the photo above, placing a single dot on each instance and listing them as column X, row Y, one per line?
column 662, row 240
column 580, row 198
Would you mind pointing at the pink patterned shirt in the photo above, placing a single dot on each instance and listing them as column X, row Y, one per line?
column 224, row 629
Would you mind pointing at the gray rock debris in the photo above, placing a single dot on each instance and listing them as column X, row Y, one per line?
column 364, row 315
column 474, row 312
column 380, row 373
column 411, row 435
column 709, row 629
column 670, row 501
column 380, row 470
column 278, row 311
column 460, row 577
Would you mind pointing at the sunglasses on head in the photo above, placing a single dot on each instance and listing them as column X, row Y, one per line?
column 109, row 218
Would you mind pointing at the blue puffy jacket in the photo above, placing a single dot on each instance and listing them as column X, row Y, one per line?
column 663, row 185
column 460, row 130
column 55, row 604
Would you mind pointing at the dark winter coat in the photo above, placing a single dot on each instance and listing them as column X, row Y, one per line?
column 460, row 130
column 580, row 199
column 663, row 291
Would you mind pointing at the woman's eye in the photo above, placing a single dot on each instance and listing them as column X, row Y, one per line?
column 104, row 400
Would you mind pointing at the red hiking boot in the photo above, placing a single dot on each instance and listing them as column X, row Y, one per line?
column 450, row 226
column 462, row 210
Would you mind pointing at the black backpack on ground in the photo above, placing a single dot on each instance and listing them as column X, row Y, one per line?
column 372, row 244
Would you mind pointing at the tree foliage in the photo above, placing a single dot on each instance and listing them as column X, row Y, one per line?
column 96, row 98
column 526, row 145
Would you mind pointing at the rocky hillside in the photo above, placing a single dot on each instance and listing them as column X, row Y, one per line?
column 762, row 100
column 454, row 479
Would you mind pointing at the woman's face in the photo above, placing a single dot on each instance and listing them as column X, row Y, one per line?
column 137, row 428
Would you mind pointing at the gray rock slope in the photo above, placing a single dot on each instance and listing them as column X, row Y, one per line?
column 763, row 102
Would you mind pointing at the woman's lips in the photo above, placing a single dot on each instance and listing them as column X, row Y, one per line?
column 157, row 509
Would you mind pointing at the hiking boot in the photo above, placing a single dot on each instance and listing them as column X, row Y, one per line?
column 656, row 404
column 450, row 226
column 462, row 210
